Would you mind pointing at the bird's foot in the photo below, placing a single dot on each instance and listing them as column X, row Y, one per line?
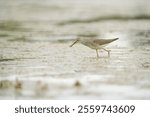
column 108, row 53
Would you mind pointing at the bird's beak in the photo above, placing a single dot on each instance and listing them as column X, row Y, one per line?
column 74, row 43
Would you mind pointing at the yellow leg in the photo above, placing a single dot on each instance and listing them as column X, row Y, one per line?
column 107, row 51
column 97, row 53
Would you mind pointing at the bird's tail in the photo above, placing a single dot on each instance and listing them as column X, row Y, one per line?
column 115, row 39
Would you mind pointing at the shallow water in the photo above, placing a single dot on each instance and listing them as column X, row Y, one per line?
column 36, row 61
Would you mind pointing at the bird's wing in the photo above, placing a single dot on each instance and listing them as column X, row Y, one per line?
column 104, row 41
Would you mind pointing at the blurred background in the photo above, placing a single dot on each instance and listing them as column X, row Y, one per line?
column 37, row 63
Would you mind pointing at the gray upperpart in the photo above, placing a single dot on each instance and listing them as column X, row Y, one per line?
column 94, row 43
column 104, row 41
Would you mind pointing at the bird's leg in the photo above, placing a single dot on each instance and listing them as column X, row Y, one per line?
column 107, row 51
column 97, row 53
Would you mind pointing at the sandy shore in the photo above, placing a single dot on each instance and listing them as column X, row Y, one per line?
column 55, row 71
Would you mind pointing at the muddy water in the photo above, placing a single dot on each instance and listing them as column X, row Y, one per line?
column 36, row 61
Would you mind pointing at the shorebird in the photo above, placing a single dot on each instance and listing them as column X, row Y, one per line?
column 96, row 44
